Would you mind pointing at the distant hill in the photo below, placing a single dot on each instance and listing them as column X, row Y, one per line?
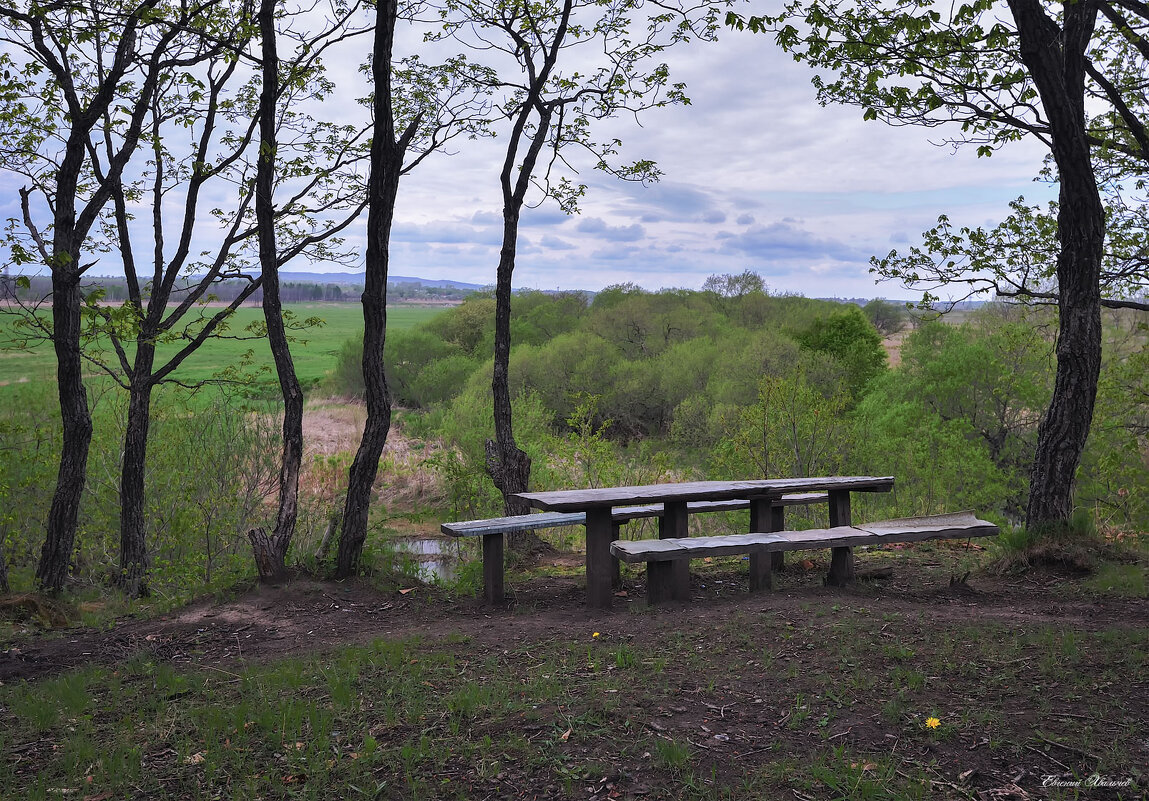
column 356, row 279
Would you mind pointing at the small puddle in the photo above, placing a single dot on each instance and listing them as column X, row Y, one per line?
column 438, row 558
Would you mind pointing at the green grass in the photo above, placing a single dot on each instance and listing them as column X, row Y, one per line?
column 313, row 352
column 1131, row 581
column 459, row 718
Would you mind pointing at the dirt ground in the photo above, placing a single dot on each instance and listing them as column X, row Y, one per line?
column 307, row 616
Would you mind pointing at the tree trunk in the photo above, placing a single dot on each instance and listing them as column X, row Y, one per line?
column 382, row 189
column 1055, row 58
column 271, row 554
column 508, row 466
column 76, row 420
column 133, row 533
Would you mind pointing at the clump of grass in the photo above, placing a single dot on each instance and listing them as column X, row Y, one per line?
column 1074, row 547
column 672, row 755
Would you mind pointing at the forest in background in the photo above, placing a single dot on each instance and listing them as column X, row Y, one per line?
column 630, row 387
column 638, row 386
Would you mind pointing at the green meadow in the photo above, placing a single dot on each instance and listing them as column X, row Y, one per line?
column 314, row 348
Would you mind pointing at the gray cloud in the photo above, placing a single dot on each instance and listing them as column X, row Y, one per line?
column 668, row 201
column 544, row 215
column 745, row 219
column 555, row 243
column 597, row 227
column 786, row 241
column 486, row 218
column 445, row 232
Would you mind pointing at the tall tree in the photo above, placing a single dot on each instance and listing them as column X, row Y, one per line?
column 74, row 74
column 610, row 69
column 271, row 551
column 909, row 62
column 416, row 108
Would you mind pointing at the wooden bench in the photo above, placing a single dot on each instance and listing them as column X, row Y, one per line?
column 493, row 529
column 661, row 554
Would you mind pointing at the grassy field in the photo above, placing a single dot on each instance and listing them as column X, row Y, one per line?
column 314, row 351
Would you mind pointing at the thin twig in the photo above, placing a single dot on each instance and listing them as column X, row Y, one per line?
column 236, row 676
column 1052, row 759
column 1072, row 748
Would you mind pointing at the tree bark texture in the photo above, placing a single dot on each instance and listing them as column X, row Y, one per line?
column 4, row 588
column 271, row 554
column 133, row 470
column 1055, row 57
column 382, row 189
column 76, row 422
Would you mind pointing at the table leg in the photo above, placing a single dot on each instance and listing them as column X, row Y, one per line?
column 599, row 530
column 842, row 560
column 493, row 568
column 673, row 524
column 760, row 562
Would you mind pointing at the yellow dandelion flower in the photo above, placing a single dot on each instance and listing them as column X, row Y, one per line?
column 595, row 634
column 932, row 723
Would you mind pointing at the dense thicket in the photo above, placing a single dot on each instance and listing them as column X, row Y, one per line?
column 630, row 387
column 635, row 385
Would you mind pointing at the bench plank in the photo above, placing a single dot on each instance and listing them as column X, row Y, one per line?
column 621, row 514
column 507, row 525
column 570, row 500
column 910, row 529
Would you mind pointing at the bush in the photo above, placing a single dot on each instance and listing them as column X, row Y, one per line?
column 848, row 337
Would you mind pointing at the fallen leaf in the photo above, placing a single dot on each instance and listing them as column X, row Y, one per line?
column 404, row 592
column 565, row 735
column 195, row 759
column 620, row 594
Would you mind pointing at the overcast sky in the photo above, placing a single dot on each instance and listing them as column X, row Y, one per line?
column 757, row 176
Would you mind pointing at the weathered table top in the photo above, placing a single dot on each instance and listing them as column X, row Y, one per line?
column 606, row 497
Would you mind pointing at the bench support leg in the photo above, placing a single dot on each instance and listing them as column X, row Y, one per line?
column 766, row 517
column 599, row 531
column 493, row 568
column 842, row 561
column 673, row 523
column 615, row 567
column 660, row 582
column 778, row 523
column 761, row 576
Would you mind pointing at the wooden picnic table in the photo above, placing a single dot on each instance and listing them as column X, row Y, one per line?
column 597, row 504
